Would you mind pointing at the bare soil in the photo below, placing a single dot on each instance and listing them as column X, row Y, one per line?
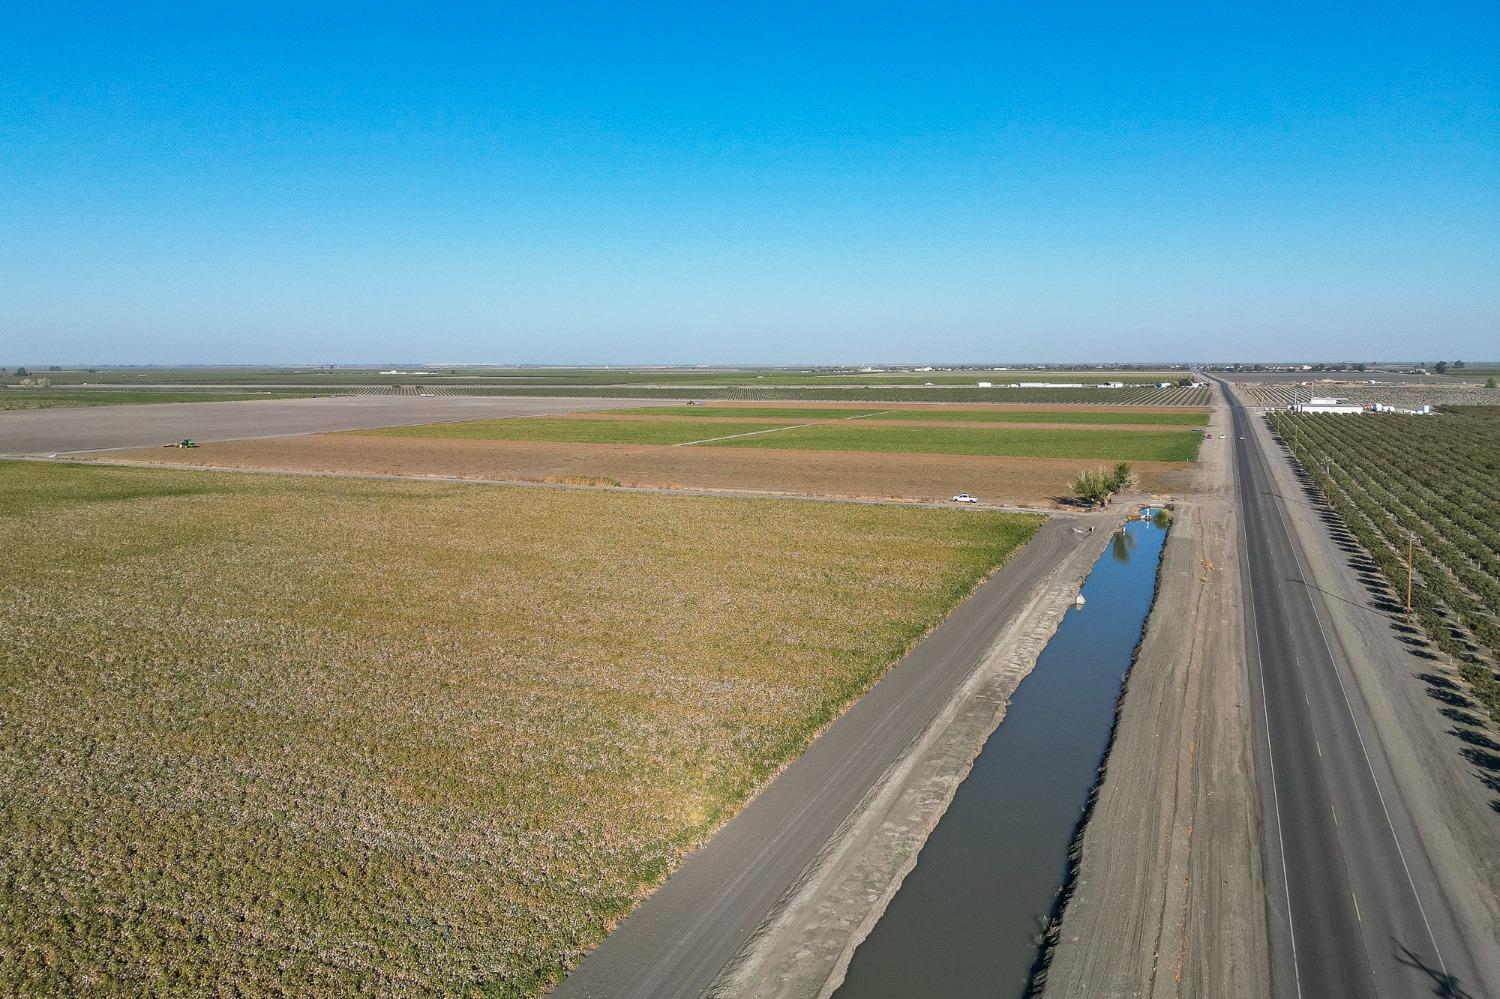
column 998, row 480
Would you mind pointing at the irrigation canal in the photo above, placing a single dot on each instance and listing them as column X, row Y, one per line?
column 968, row 919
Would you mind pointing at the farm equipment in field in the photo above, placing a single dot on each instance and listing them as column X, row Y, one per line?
column 185, row 442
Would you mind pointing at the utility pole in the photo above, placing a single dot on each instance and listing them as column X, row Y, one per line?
column 1411, row 545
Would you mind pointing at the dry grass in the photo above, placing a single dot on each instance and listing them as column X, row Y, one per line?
column 266, row 735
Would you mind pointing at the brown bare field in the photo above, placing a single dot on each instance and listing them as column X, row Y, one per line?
column 1004, row 480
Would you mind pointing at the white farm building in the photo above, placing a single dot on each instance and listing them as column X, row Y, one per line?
column 1324, row 404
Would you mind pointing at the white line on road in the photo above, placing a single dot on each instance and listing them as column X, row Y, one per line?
column 1270, row 754
column 1359, row 736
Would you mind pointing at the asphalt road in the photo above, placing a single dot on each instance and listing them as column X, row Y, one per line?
column 62, row 430
column 1354, row 908
column 680, row 938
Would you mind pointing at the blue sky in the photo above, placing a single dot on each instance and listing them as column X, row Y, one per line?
column 711, row 183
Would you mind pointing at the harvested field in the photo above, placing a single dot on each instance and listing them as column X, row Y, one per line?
column 851, row 433
column 266, row 734
column 1028, row 481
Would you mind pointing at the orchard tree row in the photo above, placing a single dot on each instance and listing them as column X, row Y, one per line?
column 1428, row 485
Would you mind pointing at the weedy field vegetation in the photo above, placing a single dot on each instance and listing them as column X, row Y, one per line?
column 267, row 735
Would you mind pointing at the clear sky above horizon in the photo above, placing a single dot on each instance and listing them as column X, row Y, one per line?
column 703, row 183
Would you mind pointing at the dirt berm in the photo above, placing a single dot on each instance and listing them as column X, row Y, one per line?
column 1168, row 899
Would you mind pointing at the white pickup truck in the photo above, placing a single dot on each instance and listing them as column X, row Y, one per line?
column 965, row 498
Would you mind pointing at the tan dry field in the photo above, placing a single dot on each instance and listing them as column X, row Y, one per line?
column 923, row 477
column 271, row 735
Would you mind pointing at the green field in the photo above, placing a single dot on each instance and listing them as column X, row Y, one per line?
column 52, row 398
column 267, row 735
column 1144, row 418
column 1020, row 443
column 841, row 435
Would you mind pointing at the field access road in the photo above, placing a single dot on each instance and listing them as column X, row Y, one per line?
column 681, row 937
column 1354, row 905
column 95, row 428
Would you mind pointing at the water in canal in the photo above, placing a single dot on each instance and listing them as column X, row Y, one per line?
column 967, row 919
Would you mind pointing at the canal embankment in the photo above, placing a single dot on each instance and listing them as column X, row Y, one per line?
column 804, row 948
column 1168, row 895
column 967, row 919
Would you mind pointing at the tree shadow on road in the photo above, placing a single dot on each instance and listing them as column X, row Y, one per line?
column 1440, row 688
column 1463, row 717
column 1478, row 739
column 1443, row 984
column 1489, row 769
column 1486, row 761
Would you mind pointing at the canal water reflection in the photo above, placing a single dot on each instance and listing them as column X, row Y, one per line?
column 967, row 920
